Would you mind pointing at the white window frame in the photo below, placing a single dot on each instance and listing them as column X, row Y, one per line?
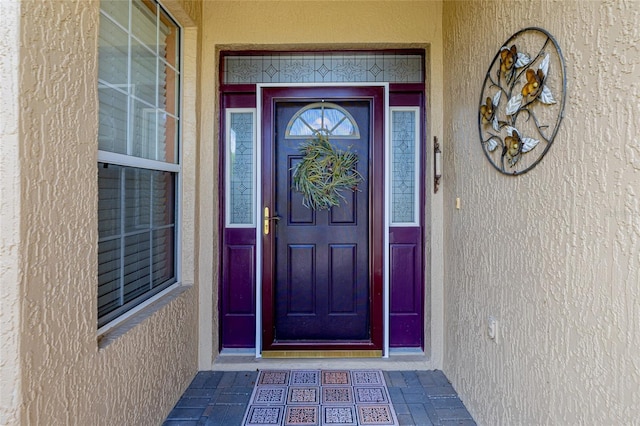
column 125, row 160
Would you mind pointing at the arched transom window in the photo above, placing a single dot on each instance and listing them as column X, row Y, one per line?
column 322, row 118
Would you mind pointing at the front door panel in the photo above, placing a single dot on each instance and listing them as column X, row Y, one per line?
column 322, row 256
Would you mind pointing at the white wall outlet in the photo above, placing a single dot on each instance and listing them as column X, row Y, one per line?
column 492, row 328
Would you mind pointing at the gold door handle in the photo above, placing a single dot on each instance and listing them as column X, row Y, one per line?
column 268, row 219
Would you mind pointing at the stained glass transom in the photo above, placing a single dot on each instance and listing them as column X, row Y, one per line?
column 241, row 167
column 353, row 67
column 404, row 141
column 325, row 118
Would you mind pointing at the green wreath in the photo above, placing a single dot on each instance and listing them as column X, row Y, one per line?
column 324, row 173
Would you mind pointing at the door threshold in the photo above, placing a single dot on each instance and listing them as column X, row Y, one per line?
column 323, row 354
column 253, row 363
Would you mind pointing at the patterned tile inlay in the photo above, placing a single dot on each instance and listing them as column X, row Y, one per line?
column 305, row 378
column 336, row 378
column 269, row 395
column 363, row 378
column 339, row 416
column 320, row 397
column 305, row 395
column 337, row 395
column 262, row 416
column 371, row 395
column 274, row 377
column 307, row 415
column 375, row 415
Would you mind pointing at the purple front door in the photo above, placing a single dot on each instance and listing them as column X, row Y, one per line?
column 322, row 256
column 320, row 286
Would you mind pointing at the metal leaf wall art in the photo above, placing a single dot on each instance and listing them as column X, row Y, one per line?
column 522, row 101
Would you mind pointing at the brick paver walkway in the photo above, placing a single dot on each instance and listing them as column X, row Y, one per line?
column 220, row 398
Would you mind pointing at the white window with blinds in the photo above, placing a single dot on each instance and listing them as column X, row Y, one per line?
column 138, row 154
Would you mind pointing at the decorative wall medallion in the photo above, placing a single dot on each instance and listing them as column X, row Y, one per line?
column 522, row 101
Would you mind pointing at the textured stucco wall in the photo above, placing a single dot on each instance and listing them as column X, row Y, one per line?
column 9, row 216
column 64, row 378
column 553, row 254
column 327, row 25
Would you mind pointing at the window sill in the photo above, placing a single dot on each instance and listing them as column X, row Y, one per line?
column 120, row 326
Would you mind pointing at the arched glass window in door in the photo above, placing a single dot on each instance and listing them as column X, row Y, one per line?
column 324, row 118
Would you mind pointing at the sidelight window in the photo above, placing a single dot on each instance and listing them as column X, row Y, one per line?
column 240, row 167
column 405, row 164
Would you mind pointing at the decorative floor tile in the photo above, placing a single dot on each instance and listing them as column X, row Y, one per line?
column 418, row 398
column 320, row 397
column 306, row 415
column 305, row 378
column 367, row 377
column 336, row 377
column 269, row 395
column 371, row 395
column 264, row 416
column 304, row 395
column 342, row 415
column 274, row 377
column 376, row 415
column 337, row 395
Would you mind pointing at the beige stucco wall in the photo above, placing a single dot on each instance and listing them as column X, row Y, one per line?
column 553, row 254
column 562, row 277
column 9, row 216
column 315, row 24
column 53, row 370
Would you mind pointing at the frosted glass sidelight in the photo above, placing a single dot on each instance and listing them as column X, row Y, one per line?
column 404, row 167
column 240, row 145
